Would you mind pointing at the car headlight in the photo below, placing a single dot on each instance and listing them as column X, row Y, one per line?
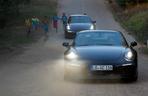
column 129, row 55
column 71, row 55
column 68, row 27
column 92, row 27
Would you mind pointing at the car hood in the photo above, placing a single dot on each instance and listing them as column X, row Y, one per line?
column 80, row 26
column 103, row 53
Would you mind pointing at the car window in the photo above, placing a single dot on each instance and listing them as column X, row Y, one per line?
column 100, row 38
column 79, row 19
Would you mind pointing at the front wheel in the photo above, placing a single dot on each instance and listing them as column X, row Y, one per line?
column 66, row 35
column 131, row 78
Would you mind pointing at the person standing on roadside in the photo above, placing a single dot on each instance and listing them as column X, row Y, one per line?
column 38, row 23
column 55, row 22
column 45, row 23
column 28, row 26
column 35, row 23
column 64, row 20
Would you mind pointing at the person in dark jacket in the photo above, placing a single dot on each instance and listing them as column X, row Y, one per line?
column 64, row 20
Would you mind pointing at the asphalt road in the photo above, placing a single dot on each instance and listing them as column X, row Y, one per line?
column 38, row 71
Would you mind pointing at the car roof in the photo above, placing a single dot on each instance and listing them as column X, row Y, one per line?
column 87, row 31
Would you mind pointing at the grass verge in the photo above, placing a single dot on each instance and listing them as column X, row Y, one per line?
column 135, row 20
column 138, row 25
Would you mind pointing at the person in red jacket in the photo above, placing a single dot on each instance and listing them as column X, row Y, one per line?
column 55, row 22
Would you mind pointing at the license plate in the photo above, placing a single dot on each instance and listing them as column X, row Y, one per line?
column 101, row 67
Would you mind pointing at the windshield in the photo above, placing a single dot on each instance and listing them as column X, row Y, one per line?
column 100, row 39
column 79, row 19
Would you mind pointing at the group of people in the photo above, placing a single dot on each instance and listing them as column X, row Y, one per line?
column 56, row 19
column 32, row 24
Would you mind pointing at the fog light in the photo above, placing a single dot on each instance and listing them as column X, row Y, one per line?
column 72, row 55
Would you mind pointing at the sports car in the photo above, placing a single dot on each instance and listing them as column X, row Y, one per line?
column 97, row 54
column 78, row 23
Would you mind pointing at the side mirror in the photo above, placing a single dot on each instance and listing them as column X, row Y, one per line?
column 65, row 44
column 133, row 44
column 93, row 22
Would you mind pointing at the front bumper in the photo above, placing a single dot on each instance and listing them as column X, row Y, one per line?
column 83, row 71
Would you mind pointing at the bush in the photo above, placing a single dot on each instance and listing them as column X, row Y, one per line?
column 14, row 33
column 9, row 8
column 124, row 3
column 138, row 24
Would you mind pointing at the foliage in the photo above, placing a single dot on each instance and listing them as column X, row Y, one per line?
column 124, row 3
column 138, row 24
column 9, row 8
column 14, row 33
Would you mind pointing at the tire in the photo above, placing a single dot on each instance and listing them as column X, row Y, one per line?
column 134, row 78
column 131, row 78
column 66, row 36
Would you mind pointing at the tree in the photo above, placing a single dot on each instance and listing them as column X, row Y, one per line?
column 9, row 8
column 123, row 3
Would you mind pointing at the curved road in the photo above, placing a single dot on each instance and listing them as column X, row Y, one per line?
column 38, row 71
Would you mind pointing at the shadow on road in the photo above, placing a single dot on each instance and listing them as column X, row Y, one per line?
column 102, row 81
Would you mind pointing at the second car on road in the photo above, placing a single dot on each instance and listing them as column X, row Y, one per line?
column 78, row 23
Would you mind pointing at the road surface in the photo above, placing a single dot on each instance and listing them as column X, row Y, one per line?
column 38, row 71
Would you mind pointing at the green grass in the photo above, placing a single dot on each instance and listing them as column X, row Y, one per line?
column 138, row 25
column 38, row 8
column 135, row 20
